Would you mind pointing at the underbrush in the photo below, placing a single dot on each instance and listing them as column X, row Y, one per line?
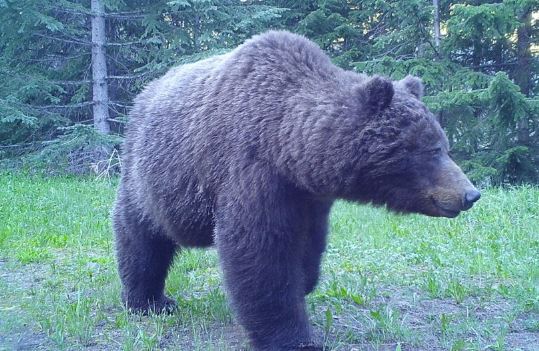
column 79, row 150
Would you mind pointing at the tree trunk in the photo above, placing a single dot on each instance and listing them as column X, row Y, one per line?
column 436, row 23
column 435, row 3
column 99, row 69
column 523, row 73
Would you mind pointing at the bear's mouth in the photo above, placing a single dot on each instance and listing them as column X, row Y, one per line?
column 444, row 211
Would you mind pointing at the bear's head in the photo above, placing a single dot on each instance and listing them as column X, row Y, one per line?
column 403, row 154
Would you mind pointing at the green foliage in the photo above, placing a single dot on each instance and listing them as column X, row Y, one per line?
column 80, row 149
column 508, row 103
column 472, row 86
column 46, row 59
column 360, row 30
column 482, row 82
column 492, row 22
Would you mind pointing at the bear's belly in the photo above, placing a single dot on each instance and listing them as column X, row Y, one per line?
column 188, row 217
column 193, row 234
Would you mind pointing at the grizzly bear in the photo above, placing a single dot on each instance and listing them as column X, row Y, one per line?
column 248, row 151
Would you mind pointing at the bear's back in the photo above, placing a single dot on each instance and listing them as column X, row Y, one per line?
column 189, row 128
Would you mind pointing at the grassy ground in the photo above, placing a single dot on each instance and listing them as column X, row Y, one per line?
column 389, row 282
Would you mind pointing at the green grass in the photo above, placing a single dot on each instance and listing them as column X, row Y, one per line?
column 389, row 282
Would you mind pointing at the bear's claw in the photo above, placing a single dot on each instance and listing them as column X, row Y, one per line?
column 164, row 305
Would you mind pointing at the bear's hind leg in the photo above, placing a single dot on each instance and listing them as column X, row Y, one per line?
column 144, row 257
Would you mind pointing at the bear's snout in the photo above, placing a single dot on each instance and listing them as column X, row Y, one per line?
column 457, row 180
column 470, row 197
column 454, row 191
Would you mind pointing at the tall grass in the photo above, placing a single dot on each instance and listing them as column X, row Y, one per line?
column 389, row 282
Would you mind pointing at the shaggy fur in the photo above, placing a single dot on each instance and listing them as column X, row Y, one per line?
column 248, row 151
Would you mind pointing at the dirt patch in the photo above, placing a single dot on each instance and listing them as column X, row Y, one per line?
column 525, row 341
column 410, row 318
column 404, row 316
column 16, row 283
column 214, row 337
column 524, row 332
column 23, row 341
column 22, row 278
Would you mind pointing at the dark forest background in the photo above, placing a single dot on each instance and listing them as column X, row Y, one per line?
column 70, row 69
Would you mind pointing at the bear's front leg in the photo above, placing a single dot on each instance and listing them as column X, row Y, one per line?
column 259, row 239
column 315, row 243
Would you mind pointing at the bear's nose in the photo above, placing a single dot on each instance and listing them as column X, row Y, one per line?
column 470, row 197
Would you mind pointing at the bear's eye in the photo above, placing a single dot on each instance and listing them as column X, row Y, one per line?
column 436, row 151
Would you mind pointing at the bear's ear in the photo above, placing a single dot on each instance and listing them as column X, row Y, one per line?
column 413, row 85
column 376, row 93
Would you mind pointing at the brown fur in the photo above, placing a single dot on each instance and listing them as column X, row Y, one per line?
column 248, row 151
